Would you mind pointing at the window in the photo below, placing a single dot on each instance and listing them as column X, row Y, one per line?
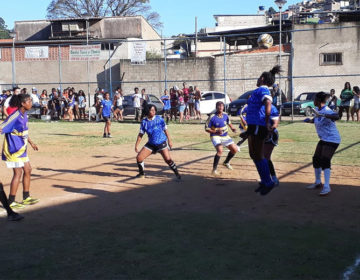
column 219, row 95
column 330, row 59
column 207, row 96
column 105, row 46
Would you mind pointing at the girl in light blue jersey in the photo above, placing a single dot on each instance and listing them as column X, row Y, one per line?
column 158, row 141
column 329, row 141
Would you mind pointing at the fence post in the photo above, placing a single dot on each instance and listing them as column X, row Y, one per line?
column 225, row 71
column 13, row 63
column 110, row 78
column 165, row 63
column 60, row 70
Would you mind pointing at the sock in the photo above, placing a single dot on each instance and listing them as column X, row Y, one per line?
column 264, row 172
column 11, row 199
column 229, row 157
column 173, row 167
column 327, row 174
column 216, row 162
column 25, row 195
column 271, row 168
column 141, row 167
column 4, row 200
column 317, row 175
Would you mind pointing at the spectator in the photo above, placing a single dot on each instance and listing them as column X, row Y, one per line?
column 137, row 104
column 191, row 101
column 35, row 98
column 182, row 106
column 165, row 100
column 197, row 98
column 144, row 103
column 71, row 105
column 118, row 104
column 44, row 100
column 173, row 103
column 345, row 96
column 333, row 100
column 186, row 93
column 8, row 108
column 55, row 105
column 76, row 105
column 356, row 110
column 82, row 104
column 3, row 97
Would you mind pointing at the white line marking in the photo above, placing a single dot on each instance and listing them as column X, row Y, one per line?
column 351, row 269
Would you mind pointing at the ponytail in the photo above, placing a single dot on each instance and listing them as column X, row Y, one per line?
column 269, row 77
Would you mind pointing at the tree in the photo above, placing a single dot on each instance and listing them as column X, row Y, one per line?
column 4, row 32
column 271, row 11
column 102, row 8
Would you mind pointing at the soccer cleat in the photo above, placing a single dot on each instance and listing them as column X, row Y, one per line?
column 228, row 166
column 325, row 191
column 16, row 205
column 265, row 190
column 178, row 177
column 260, row 187
column 276, row 181
column 140, row 175
column 30, row 201
column 215, row 173
column 314, row 186
column 14, row 217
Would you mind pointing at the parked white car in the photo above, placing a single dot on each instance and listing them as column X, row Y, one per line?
column 209, row 99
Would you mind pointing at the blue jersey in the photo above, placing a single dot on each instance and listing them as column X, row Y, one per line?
column 326, row 128
column 255, row 102
column 166, row 100
column 16, row 131
column 106, row 107
column 217, row 123
column 154, row 128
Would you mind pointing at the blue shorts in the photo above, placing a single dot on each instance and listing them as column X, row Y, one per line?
column 182, row 108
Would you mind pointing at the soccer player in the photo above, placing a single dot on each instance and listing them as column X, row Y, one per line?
column 14, row 151
column 12, row 216
column 259, row 126
column 159, row 141
column 217, row 126
column 165, row 99
column 105, row 111
column 329, row 141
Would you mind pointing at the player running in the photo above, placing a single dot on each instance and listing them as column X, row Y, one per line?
column 329, row 141
column 158, row 141
column 217, row 126
column 259, row 126
column 14, row 151
column 105, row 111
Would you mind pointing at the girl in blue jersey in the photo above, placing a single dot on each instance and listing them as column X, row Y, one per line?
column 165, row 99
column 218, row 129
column 329, row 141
column 14, row 151
column 259, row 126
column 158, row 139
column 105, row 111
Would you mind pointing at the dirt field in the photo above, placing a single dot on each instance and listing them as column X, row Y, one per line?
column 95, row 220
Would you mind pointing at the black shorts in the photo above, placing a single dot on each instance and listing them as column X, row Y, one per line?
column 106, row 119
column 257, row 130
column 273, row 138
column 156, row 148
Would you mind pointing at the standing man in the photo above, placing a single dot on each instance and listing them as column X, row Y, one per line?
column 137, row 104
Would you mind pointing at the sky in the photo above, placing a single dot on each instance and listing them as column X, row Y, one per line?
column 178, row 16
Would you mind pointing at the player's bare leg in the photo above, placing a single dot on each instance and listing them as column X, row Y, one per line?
column 166, row 156
column 142, row 155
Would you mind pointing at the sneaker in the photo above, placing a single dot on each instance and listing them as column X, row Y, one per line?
column 314, row 186
column 104, row 136
column 109, row 136
column 276, row 181
column 140, row 176
column 14, row 217
column 178, row 177
column 265, row 190
column 30, row 201
column 215, row 173
column 228, row 166
column 325, row 191
column 260, row 187
column 16, row 205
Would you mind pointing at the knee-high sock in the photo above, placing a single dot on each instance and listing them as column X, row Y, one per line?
column 229, row 157
column 317, row 175
column 141, row 167
column 4, row 200
column 264, row 172
column 173, row 167
column 327, row 174
column 216, row 161
column 271, row 168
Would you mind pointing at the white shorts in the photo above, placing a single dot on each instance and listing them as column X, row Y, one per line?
column 13, row 164
column 221, row 140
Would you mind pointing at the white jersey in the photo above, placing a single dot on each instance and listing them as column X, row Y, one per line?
column 326, row 128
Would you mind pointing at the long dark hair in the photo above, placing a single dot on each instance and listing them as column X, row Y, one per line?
column 322, row 97
column 269, row 77
column 17, row 100
column 347, row 86
column 149, row 108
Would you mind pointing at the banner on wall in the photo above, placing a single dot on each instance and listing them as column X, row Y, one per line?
column 90, row 52
column 137, row 52
column 36, row 52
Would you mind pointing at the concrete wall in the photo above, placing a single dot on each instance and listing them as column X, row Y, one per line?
column 32, row 30
column 307, row 49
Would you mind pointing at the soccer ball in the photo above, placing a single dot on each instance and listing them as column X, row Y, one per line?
column 265, row 41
